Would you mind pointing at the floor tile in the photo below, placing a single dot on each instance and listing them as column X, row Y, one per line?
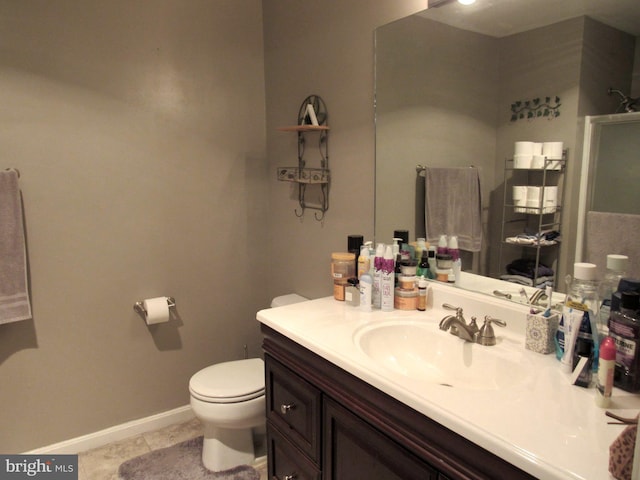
column 102, row 463
column 165, row 437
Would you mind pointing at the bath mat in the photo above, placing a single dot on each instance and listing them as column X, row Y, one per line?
column 181, row 461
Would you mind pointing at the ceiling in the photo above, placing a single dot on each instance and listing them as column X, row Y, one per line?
column 500, row 18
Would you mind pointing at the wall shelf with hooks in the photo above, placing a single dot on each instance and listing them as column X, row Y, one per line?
column 312, row 124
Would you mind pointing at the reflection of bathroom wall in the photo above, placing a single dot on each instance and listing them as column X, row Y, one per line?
column 533, row 67
column 585, row 58
column 425, row 110
column 453, row 75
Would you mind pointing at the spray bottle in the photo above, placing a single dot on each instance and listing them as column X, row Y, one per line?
column 377, row 274
column 386, row 280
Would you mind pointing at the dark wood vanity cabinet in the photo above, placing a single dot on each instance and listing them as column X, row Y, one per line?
column 325, row 424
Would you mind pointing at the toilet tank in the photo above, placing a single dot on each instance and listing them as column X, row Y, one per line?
column 288, row 299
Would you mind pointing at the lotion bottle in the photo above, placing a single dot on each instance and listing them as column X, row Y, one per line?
column 366, row 292
column 386, row 280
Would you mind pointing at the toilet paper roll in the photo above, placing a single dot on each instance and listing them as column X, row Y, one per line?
column 538, row 162
column 550, row 199
column 533, row 199
column 522, row 161
column 537, row 148
column 519, row 198
column 157, row 310
column 552, row 150
column 523, row 148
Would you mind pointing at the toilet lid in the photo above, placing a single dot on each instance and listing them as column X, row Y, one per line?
column 229, row 382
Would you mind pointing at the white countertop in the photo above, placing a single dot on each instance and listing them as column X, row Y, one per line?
column 541, row 424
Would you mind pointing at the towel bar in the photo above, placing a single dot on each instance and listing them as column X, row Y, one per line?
column 139, row 307
column 14, row 170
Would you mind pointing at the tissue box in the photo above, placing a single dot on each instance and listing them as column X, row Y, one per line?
column 541, row 332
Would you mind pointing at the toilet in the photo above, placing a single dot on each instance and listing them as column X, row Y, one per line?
column 228, row 398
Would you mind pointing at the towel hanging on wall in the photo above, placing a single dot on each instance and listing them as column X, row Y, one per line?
column 14, row 287
column 453, row 205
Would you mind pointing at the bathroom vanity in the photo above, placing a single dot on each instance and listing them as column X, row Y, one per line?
column 352, row 394
column 326, row 423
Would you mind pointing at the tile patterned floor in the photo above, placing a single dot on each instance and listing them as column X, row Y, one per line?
column 102, row 463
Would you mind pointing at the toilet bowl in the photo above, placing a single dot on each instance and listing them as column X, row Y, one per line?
column 229, row 400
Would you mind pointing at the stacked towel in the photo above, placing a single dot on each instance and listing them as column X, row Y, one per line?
column 14, row 295
column 453, row 205
column 524, row 272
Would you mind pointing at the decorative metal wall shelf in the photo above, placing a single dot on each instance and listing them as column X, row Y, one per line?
column 312, row 122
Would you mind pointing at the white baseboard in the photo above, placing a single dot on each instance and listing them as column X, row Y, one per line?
column 117, row 432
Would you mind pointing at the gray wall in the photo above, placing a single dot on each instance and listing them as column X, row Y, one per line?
column 148, row 168
column 139, row 131
column 323, row 48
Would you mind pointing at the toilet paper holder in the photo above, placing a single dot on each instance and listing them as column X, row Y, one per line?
column 139, row 307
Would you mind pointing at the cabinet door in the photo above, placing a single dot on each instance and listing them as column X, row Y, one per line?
column 355, row 450
column 286, row 462
column 293, row 405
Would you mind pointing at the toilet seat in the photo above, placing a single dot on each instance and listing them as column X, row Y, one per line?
column 229, row 382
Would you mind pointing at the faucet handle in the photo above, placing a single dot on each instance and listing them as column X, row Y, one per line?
column 486, row 336
column 448, row 306
column 473, row 326
column 458, row 310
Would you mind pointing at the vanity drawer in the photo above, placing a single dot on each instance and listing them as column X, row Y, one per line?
column 286, row 462
column 293, row 405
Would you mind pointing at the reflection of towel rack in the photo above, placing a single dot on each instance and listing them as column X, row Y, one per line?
column 421, row 168
column 13, row 170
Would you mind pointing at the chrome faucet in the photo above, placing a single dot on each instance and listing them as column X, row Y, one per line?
column 457, row 325
column 536, row 297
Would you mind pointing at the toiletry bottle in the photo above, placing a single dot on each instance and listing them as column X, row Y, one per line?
column 606, row 368
column 624, row 327
column 616, row 269
column 424, row 269
column 397, row 270
column 402, row 236
column 442, row 244
column 452, row 247
column 386, row 280
column 364, row 260
column 377, row 274
column 396, row 246
column 422, row 294
column 354, row 244
column 457, row 269
column 582, row 307
column 432, row 260
column 366, row 292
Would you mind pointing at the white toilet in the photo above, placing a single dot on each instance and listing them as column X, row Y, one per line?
column 229, row 400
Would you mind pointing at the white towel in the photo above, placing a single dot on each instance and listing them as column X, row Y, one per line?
column 453, row 205
column 14, row 294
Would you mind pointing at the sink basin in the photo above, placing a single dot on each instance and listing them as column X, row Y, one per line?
column 422, row 352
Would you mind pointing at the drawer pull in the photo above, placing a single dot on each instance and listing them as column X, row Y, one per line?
column 293, row 476
column 284, row 409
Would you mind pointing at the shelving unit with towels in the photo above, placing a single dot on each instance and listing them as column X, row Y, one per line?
column 520, row 218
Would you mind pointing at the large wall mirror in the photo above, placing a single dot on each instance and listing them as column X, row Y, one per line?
column 447, row 80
